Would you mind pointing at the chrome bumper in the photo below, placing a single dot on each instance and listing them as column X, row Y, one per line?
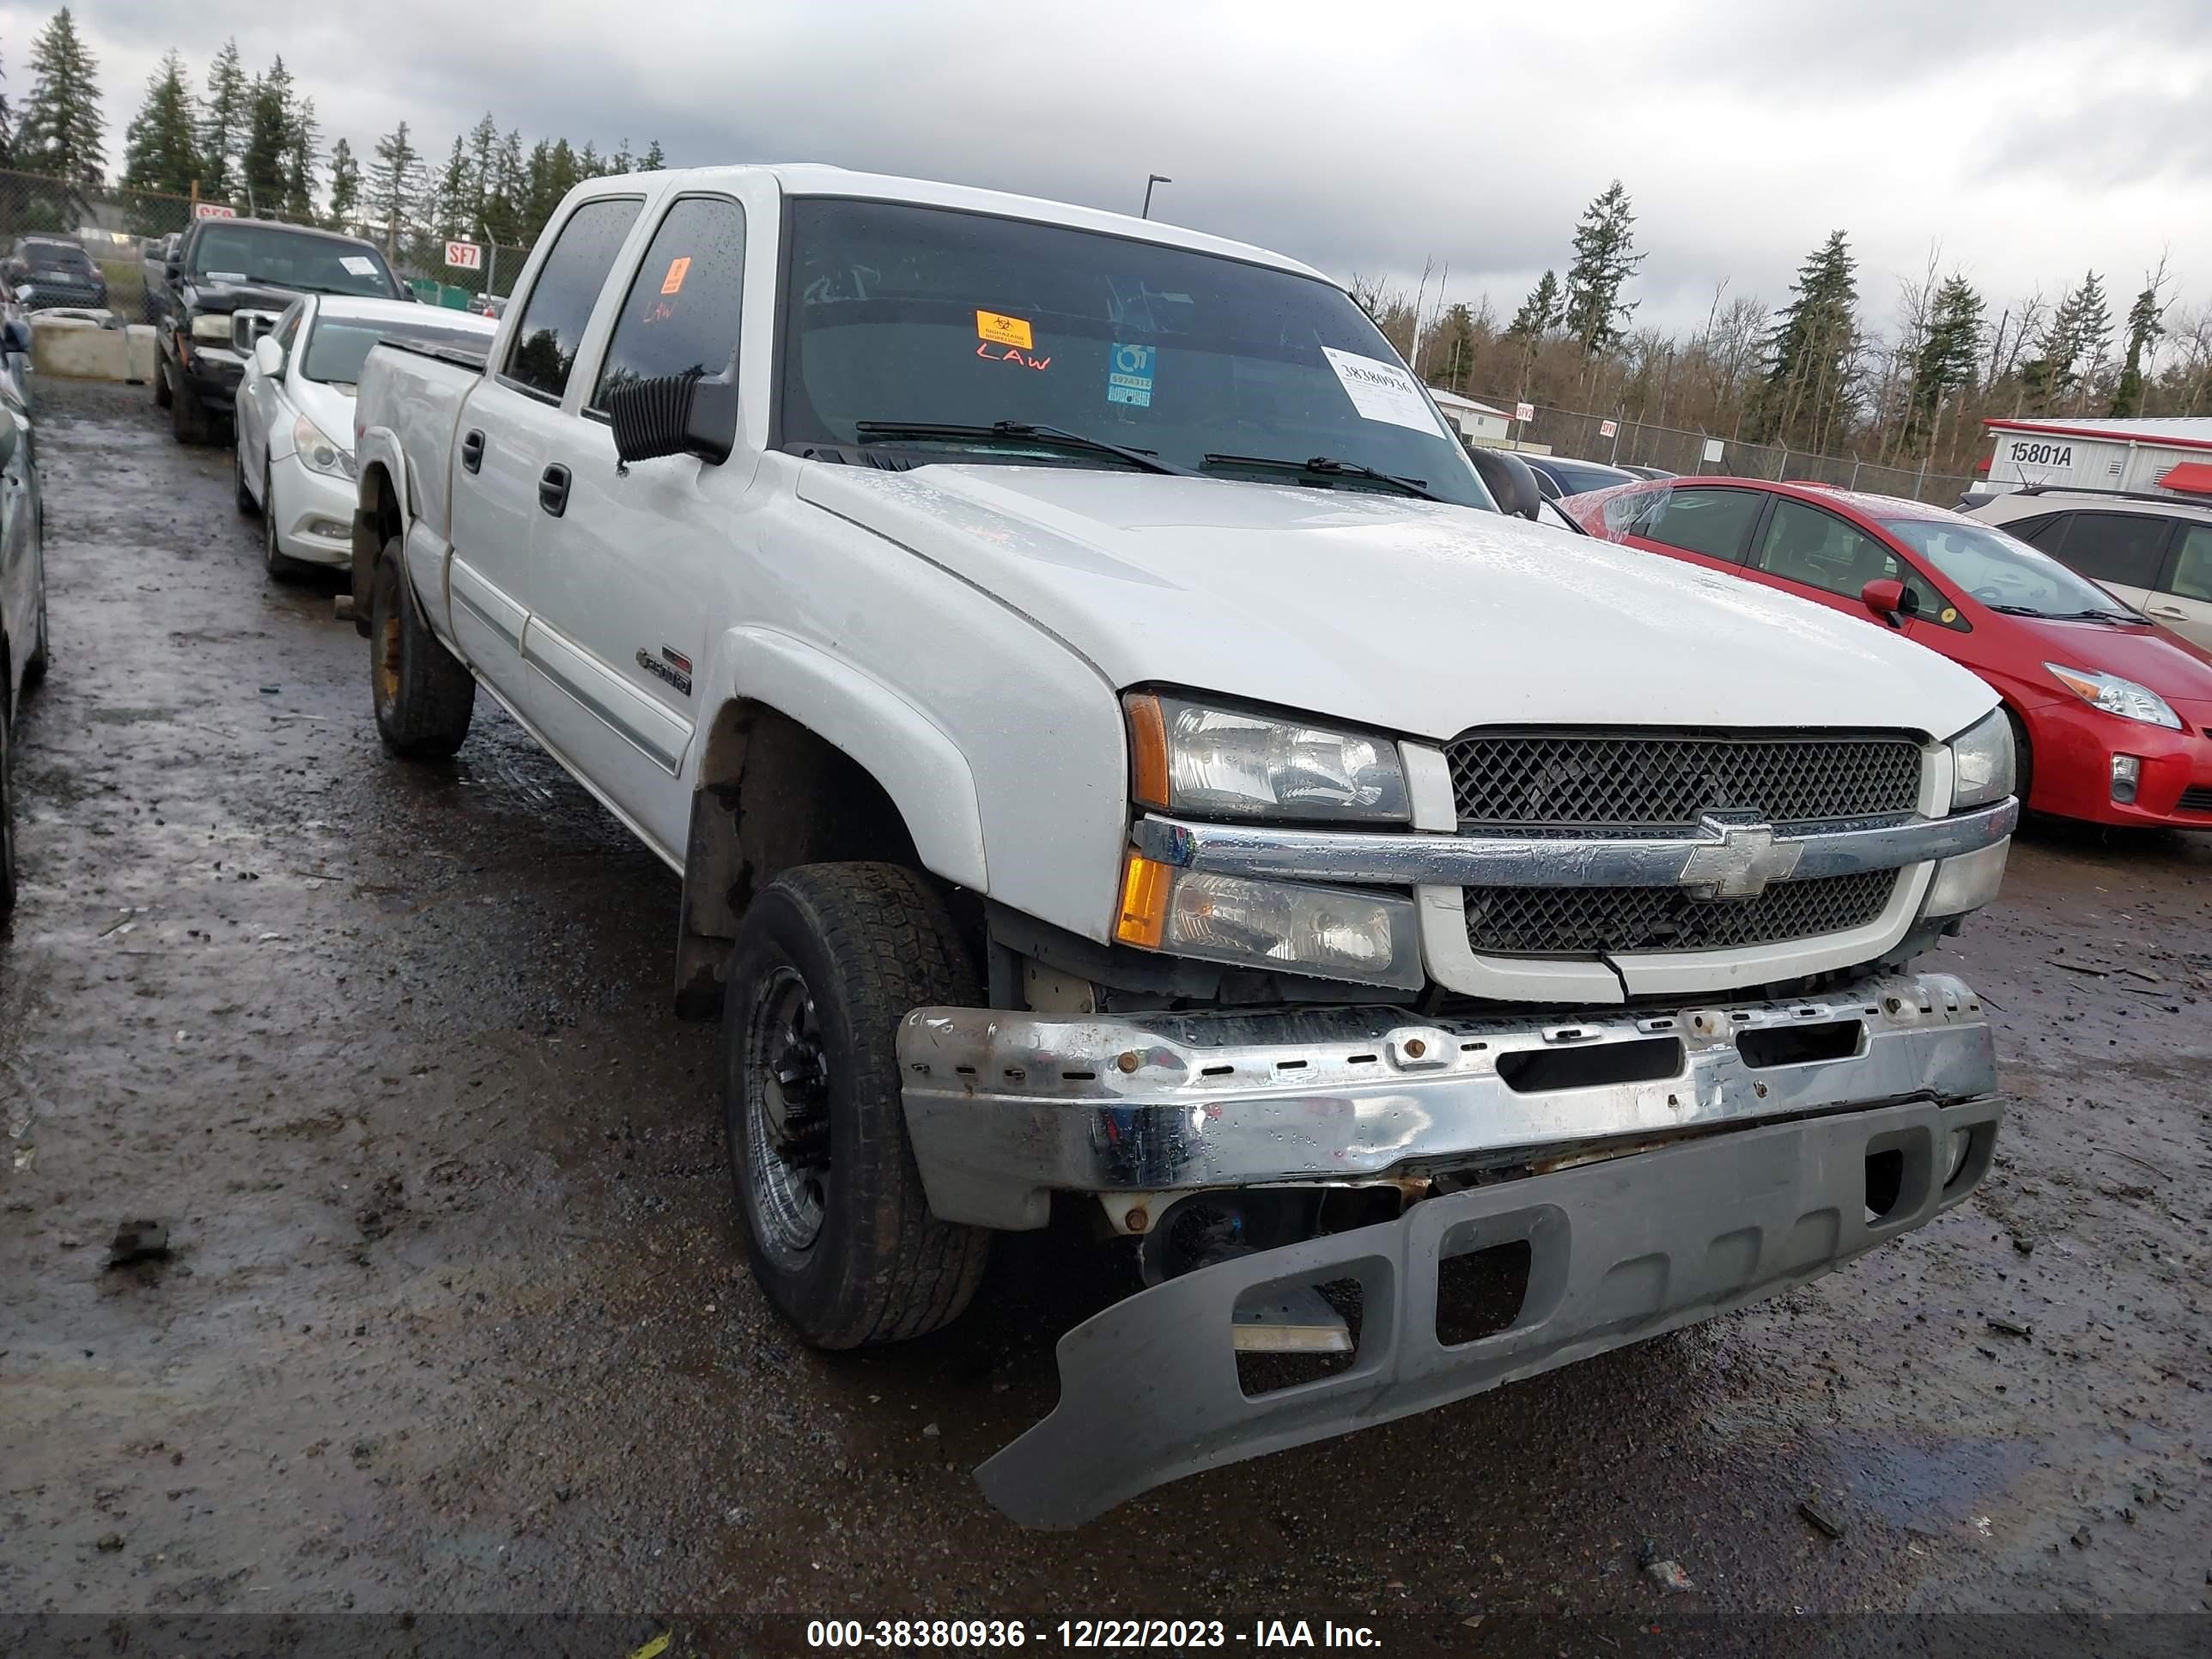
column 1005, row 1109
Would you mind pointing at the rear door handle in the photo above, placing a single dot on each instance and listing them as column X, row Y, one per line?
column 553, row 489
column 2165, row 613
column 472, row 451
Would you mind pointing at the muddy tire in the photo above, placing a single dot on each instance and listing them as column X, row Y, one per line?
column 423, row 696
column 161, row 398
column 828, row 959
column 188, row 416
column 7, row 816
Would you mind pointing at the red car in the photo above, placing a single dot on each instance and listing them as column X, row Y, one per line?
column 2112, row 714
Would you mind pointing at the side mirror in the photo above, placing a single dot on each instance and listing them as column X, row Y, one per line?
column 268, row 356
column 1511, row 480
column 15, row 337
column 1884, row 597
column 10, row 430
column 686, row 414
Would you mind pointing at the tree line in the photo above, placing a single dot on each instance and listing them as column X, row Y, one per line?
column 1821, row 373
column 254, row 143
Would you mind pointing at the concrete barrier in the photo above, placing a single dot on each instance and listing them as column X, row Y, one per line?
column 77, row 347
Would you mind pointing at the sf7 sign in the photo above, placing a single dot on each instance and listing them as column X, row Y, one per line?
column 464, row 256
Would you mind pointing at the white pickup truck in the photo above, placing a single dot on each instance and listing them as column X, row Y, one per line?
column 1118, row 756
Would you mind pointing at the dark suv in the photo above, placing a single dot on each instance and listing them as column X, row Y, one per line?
column 225, row 285
column 46, row 271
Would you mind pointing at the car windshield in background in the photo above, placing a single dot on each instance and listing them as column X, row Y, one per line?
column 2004, row 573
column 1579, row 478
column 339, row 346
column 903, row 316
column 284, row 258
column 56, row 257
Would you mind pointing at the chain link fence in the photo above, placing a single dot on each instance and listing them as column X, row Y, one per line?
column 1580, row 436
column 122, row 230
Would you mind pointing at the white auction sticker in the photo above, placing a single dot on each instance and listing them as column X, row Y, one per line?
column 358, row 264
column 1382, row 391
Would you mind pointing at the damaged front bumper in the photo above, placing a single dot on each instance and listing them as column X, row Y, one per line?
column 1005, row 1109
column 1616, row 1252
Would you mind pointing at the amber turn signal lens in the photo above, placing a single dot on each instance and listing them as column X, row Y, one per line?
column 1144, row 917
column 1148, row 749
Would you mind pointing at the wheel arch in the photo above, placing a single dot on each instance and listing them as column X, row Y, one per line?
column 380, row 515
column 819, row 769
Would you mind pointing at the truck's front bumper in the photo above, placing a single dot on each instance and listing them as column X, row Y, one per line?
column 1615, row 1252
column 1005, row 1109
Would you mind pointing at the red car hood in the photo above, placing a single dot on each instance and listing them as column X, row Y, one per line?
column 2147, row 654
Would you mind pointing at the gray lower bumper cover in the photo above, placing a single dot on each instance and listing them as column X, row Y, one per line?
column 1618, row 1251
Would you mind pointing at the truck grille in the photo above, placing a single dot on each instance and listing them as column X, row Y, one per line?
column 1640, row 784
column 1590, row 921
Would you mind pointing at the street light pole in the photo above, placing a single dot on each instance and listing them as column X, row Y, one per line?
column 1151, row 180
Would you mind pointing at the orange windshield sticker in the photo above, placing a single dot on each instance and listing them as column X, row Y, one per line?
column 1003, row 331
column 679, row 269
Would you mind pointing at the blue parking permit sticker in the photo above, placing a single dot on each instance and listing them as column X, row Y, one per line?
column 1129, row 375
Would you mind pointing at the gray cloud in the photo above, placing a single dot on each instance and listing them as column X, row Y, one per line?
column 1369, row 142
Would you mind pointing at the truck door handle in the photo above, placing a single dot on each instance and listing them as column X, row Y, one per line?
column 553, row 489
column 472, row 451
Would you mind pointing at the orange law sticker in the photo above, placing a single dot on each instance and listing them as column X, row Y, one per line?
column 679, row 269
column 1004, row 330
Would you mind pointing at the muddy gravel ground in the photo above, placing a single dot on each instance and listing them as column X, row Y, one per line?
column 453, row 1316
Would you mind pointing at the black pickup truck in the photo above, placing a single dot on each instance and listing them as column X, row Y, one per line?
column 224, row 286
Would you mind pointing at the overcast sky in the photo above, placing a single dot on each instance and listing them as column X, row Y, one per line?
column 2030, row 138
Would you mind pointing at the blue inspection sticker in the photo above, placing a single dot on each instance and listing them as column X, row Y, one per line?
column 1129, row 375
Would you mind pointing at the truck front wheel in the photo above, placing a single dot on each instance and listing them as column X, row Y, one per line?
column 828, row 958
column 423, row 696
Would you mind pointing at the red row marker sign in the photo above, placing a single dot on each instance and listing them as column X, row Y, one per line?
column 1524, row 411
column 212, row 210
column 464, row 256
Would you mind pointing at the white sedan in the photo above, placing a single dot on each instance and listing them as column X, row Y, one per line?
column 293, row 459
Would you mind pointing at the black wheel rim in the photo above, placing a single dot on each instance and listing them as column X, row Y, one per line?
column 786, row 1106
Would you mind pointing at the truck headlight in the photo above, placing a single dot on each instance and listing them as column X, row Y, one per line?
column 2115, row 695
column 1368, row 937
column 317, row 452
column 1228, row 764
column 1982, row 761
column 212, row 327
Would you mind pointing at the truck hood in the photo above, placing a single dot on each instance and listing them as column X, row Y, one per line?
column 205, row 293
column 1415, row 617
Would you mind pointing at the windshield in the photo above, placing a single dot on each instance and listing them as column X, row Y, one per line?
column 56, row 256
column 906, row 315
column 339, row 346
column 1580, row 477
column 286, row 258
column 2002, row 571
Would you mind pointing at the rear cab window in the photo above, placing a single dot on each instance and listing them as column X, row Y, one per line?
column 560, row 304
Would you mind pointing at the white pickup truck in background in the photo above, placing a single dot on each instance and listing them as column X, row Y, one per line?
column 1117, row 755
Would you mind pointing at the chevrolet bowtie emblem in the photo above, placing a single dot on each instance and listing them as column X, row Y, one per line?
column 1741, row 859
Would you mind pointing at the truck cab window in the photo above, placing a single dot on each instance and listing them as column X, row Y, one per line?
column 681, row 311
column 561, row 300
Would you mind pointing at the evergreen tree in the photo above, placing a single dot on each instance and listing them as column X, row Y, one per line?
column 223, row 117
column 484, row 168
column 655, row 161
column 7, row 132
column 390, row 187
column 1452, row 348
column 2146, row 322
column 1605, row 259
column 161, row 150
column 452, row 197
column 622, row 161
column 345, row 185
column 62, row 128
column 1813, row 350
column 1540, row 313
column 502, row 216
column 1946, row 360
column 2072, row 347
column 588, row 165
column 268, row 139
column 302, row 150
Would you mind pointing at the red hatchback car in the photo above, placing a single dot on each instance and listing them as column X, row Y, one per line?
column 2112, row 714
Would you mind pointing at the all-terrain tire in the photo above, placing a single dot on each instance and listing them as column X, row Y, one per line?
column 423, row 696
column 869, row 943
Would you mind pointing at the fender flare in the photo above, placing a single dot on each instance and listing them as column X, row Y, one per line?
column 916, row 763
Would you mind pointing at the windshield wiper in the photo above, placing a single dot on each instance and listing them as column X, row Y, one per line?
column 1328, row 467
column 1025, row 431
column 2116, row 616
